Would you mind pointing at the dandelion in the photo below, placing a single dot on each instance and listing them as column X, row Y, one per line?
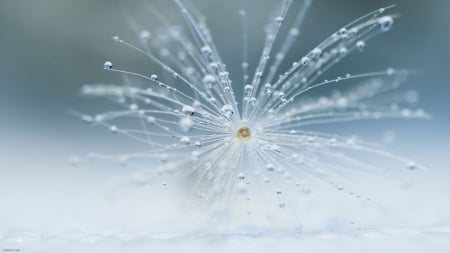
column 253, row 136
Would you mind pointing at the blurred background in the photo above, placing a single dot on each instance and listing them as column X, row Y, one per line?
column 50, row 48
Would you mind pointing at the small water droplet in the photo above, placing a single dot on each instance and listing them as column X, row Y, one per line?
column 343, row 32
column 185, row 140
column 305, row 60
column 113, row 129
column 154, row 77
column 206, row 51
column 315, row 53
column 385, row 23
column 145, row 35
column 134, row 107
column 107, row 65
column 360, row 45
column 227, row 111
column 185, row 124
column 209, row 80
column 188, row 110
column 412, row 165
column 279, row 20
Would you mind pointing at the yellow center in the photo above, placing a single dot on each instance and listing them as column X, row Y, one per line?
column 244, row 133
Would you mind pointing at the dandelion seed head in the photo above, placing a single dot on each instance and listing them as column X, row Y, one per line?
column 235, row 138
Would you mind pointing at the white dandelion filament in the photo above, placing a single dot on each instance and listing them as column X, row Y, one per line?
column 195, row 124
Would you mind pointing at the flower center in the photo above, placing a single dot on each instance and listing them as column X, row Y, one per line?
column 244, row 133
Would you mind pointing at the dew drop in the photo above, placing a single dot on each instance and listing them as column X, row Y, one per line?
column 145, row 35
column 188, row 110
column 241, row 176
column 385, row 23
column 279, row 20
column 412, row 166
column 315, row 53
column 209, row 80
column 206, row 51
column 270, row 167
column 185, row 124
column 360, row 45
column 248, row 90
column 107, row 65
column 195, row 155
column 390, row 71
column 305, row 60
column 294, row 32
column 185, row 140
column 227, row 111
column 151, row 119
column 154, row 77
column 133, row 107
column 113, row 129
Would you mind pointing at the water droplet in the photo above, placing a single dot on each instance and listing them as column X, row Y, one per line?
column 133, row 107
column 227, row 111
column 412, row 165
column 185, row 140
column 209, row 80
column 206, row 51
column 343, row 32
column 188, row 110
column 248, row 90
column 278, row 191
column 282, row 205
column 279, row 20
column 113, row 129
column 360, row 45
column 107, row 65
column 145, row 35
column 315, row 53
column 195, row 155
column 185, row 124
column 294, row 32
column 151, row 119
column 154, row 77
column 241, row 176
column 305, row 60
column 385, row 23
column 343, row 50
column 390, row 71
column 270, row 167
column 198, row 144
